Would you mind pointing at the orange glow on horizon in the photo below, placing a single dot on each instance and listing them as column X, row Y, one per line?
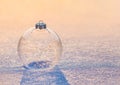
column 80, row 17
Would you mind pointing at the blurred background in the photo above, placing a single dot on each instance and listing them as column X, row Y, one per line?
column 69, row 18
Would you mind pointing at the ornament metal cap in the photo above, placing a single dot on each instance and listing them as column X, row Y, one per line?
column 40, row 25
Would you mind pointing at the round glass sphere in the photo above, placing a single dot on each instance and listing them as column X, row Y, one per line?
column 39, row 48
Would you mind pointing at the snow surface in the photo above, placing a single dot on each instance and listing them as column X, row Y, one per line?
column 84, row 62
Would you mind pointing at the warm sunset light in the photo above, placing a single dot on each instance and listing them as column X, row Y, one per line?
column 80, row 17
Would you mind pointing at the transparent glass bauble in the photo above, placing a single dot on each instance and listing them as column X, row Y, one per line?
column 39, row 48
